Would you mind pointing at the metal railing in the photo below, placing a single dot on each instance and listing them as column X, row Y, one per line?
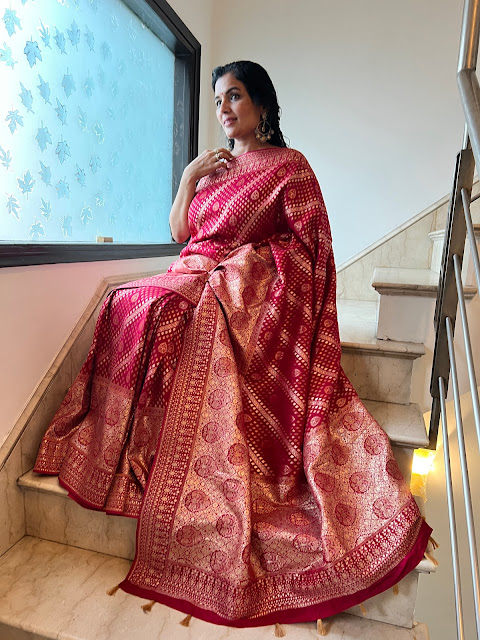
column 450, row 299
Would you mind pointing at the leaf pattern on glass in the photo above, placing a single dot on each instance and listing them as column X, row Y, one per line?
column 6, row 56
column 32, row 51
column 13, row 207
column 60, row 41
column 106, row 51
column 36, row 230
column 5, row 158
column 99, row 132
column 44, row 89
column 89, row 85
column 74, row 34
column 66, row 226
column 14, row 119
column 82, row 119
column 26, row 97
column 11, row 21
column 26, row 183
column 80, row 176
column 86, row 215
column 68, row 84
column 62, row 150
column 43, row 137
column 45, row 174
column 99, row 201
column 61, row 110
column 90, row 39
column 95, row 164
column 45, row 35
column 63, row 189
column 46, row 209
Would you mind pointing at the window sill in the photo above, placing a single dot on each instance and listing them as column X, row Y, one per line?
column 18, row 255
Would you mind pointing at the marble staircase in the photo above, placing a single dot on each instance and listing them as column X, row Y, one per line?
column 53, row 580
column 50, row 590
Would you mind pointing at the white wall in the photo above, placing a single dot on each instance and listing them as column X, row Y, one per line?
column 41, row 304
column 368, row 93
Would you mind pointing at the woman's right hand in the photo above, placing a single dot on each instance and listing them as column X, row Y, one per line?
column 206, row 163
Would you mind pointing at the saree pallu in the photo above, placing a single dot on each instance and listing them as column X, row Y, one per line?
column 212, row 406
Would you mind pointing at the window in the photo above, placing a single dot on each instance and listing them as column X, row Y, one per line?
column 98, row 117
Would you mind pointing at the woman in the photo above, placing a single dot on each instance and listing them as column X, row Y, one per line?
column 213, row 407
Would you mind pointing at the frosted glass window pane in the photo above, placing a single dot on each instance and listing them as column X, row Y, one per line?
column 86, row 123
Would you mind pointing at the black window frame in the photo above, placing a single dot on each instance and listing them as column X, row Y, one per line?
column 181, row 41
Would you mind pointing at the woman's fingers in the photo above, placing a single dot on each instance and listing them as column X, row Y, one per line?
column 222, row 155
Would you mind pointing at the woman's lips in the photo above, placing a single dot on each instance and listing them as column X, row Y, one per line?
column 228, row 122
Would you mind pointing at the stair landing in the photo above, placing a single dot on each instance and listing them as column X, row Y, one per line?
column 49, row 590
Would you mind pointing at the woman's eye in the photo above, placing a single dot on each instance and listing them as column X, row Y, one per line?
column 234, row 96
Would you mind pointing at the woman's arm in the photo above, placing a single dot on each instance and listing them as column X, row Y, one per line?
column 204, row 164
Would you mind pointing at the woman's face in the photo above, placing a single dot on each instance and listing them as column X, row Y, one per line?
column 235, row 110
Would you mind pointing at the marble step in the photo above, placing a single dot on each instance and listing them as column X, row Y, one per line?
column 407, row 302
column 438, row 238
column 379, row 370
column 49, row 590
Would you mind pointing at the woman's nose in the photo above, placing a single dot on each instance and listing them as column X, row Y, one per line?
column 224, row 106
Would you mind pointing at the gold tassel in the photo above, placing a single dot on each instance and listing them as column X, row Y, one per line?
column 396, row 590
column 320, row 628
column 431, row 558
column 279, row 631
column 186, row 621
column 363, row 610
column 433, row 542
column 113, row 590
column 148, row 607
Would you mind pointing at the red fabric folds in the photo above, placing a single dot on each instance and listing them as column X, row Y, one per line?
column 213, row 407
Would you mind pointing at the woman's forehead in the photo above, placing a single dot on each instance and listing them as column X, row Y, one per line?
column 226, row 83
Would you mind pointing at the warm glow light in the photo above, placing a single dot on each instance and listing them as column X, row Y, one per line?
column 422, row 464
column 423, row 461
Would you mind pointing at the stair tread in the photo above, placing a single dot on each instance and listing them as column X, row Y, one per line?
column 36, row 596
column 408, row 281
column 357, row 321
column 403, row 423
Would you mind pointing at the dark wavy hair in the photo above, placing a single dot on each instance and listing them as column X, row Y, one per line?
column 260, row 89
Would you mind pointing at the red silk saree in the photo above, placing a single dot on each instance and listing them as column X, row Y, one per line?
column 212, row 407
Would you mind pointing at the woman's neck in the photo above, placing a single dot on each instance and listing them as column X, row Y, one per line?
column 242, row 147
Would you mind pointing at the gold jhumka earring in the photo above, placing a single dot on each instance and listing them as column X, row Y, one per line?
column 263, row 130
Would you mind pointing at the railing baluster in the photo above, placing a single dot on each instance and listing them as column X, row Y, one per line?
column 465, row 479
column 471, row 233
column 468, row 346
column 451, row 514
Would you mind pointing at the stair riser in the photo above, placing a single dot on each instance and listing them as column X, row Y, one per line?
column 379, row 377
column 405, row 318
column 390, row 608
column 59, row 519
